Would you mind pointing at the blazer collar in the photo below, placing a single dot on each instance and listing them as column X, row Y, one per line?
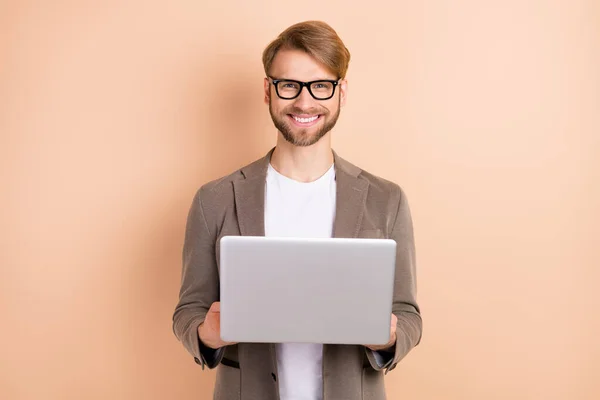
column 351, row 194
column 260, row 166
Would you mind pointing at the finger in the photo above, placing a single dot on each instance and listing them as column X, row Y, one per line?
column 215, row 307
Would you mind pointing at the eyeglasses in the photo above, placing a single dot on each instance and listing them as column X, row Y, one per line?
column 289, row 89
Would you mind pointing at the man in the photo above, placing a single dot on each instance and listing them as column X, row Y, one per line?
column 300, row 188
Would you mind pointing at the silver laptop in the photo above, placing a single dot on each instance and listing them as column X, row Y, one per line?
column 334, row 290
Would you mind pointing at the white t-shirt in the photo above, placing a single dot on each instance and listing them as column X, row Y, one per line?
column 299, row 209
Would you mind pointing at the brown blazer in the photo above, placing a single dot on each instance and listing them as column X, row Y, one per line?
column 367, row 207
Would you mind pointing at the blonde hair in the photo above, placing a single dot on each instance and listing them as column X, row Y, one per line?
column 317, row 39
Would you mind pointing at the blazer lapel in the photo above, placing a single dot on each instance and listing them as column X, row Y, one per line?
column 351, row 195
column 250, row 206
column 250, row 197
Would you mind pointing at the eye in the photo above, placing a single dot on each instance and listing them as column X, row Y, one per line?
column 288, row 85
column 322, row 86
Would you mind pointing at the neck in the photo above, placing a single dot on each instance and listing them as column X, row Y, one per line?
column 304, row 164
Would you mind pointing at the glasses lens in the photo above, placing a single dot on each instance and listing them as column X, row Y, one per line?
column 288, row 89
column 322, row 89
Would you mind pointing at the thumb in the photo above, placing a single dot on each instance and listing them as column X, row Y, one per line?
column 215, row 307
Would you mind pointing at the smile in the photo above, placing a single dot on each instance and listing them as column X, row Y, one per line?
column 305, row 120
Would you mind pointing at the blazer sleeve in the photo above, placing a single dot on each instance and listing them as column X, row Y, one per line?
column 405, row 307
column 199, row 285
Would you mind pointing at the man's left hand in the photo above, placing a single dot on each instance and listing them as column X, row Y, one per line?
column 392, row 340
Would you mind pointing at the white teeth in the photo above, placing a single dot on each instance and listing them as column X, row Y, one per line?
column 305, row 120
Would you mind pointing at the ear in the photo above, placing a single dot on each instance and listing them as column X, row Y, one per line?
column 267, row 88
column 343, row 92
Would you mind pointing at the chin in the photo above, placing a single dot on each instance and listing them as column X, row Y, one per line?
column 303, row 140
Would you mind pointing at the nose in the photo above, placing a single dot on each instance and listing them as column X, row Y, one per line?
column 304, row 99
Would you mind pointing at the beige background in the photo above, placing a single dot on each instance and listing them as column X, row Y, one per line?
column 112, row 113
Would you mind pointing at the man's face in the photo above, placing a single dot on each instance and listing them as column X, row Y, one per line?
column 302, row 121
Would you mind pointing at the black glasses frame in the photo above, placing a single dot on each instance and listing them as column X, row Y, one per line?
column 302, row 85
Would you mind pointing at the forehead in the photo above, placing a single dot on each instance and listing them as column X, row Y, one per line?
column 296, row 64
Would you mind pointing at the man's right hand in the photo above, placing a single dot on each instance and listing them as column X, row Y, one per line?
column 210, row 330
